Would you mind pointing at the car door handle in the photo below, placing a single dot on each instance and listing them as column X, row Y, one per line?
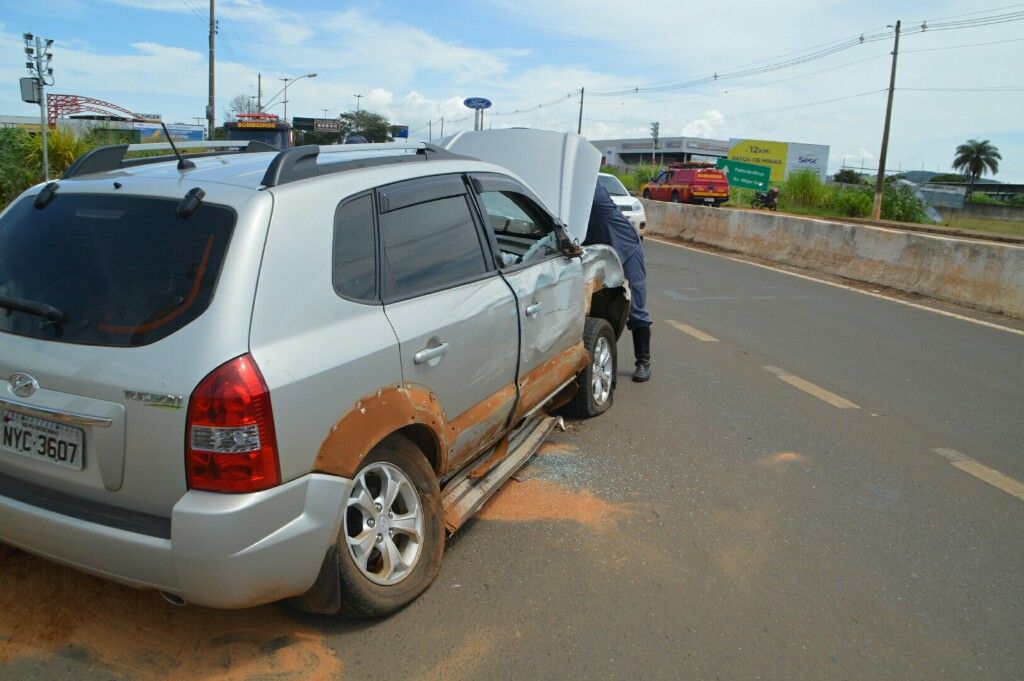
column 427, row 354
column 532, row 309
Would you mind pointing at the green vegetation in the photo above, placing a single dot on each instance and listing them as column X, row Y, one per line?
column 805, row 194
column 21, row 154
column 634, row 177
column 848, row 176
column 373, row 126
column 974, row 158
column 1011, row 227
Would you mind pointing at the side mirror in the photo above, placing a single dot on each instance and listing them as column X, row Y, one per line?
column 566, row 244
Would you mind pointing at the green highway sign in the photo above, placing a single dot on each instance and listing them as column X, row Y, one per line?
column 748, row 175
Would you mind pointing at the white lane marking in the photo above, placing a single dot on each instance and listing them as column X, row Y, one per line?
column 972, row 320
column 982, row 472
column 811, row 389
column 696, row 333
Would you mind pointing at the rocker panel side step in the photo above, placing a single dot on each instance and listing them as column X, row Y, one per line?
column 465, row 495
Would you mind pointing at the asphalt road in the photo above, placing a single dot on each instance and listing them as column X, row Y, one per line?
column 724, row 521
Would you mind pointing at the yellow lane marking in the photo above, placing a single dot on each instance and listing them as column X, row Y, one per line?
column 944, row 313
column 696, row 333
column 983, row 472
column 811, row 389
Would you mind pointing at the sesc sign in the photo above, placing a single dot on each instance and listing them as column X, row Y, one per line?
column 478, row 103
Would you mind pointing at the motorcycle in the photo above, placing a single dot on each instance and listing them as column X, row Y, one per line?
column 768, row 199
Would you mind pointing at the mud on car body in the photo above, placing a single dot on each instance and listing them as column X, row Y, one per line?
column 286, row 375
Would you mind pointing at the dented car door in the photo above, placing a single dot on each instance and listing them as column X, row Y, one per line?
column 548, row 287
column 455, row 317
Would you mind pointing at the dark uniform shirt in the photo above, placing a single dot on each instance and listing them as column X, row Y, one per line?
column 610, row 227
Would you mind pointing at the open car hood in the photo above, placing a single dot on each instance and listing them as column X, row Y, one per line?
column 559, row 167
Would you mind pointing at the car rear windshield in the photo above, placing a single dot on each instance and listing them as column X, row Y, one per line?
column 114, row 270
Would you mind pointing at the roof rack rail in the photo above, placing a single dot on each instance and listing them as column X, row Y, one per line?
column 301, row 163
column 105, row 159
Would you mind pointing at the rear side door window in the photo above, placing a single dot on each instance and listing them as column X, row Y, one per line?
column 430, row 245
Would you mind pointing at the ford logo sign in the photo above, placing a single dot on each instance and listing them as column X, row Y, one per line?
column 477, row 102
column 809, row 159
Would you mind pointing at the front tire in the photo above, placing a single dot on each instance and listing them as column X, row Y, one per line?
column 647, row 194
column 675, row 197
column 392, row 536
column 596, row 383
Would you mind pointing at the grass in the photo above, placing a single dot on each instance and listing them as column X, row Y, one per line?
column 986, row 225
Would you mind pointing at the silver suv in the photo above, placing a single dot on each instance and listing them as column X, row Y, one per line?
column 257, row 375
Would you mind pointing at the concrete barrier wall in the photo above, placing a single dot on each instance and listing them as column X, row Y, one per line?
column 983, row 275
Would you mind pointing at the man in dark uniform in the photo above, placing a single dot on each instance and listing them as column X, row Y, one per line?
column 610, row 227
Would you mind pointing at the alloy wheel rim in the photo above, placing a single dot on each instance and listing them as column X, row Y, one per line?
column 601, row 371
column 384, row 524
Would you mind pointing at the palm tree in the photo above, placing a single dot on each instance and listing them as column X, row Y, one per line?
column 973, row 158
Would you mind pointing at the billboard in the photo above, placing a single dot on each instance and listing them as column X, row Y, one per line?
column 152, row 132
column 782, row 157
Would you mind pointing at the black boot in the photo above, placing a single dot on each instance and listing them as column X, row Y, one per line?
column 642, row 350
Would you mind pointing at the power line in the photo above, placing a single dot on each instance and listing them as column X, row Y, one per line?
column 959, row 47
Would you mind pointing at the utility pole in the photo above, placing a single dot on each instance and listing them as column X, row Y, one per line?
column 430, row 131
column 259, row 93
column 442, row 127
column 211, row 100
column 37, row 61
column 876, row 209
column 579, row 126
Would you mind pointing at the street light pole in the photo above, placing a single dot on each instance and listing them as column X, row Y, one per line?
column 358, row 97
column 284, row 90
column 286, row 97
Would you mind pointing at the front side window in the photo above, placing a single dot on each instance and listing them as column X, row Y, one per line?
column 108, row 270
column 431, row 245
column 354, row 262
column 506, row 215
column 520, row 234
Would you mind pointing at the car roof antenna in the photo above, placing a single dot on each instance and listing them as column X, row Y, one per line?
column 182, row 163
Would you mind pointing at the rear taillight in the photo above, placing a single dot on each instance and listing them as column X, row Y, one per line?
column 230, row 444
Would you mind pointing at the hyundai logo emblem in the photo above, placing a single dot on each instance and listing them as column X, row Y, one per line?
column 22, row 385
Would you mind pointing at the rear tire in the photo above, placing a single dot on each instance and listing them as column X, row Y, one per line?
column 596, row 383
column 647, row 194
column 362, row 593
column 675, row 197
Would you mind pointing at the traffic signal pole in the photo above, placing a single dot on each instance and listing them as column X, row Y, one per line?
column 876, row 209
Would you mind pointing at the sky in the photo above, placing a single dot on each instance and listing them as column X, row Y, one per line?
column 416, row 60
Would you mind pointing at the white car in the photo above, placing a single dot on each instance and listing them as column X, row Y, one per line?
column 628, row 204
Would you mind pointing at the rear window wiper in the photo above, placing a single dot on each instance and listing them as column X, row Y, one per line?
column 47, row 312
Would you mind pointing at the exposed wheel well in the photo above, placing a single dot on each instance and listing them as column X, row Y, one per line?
column 611, row 305
column 425, row 441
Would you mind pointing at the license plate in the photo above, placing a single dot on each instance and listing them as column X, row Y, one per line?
column 709, row 200
column 43, row 440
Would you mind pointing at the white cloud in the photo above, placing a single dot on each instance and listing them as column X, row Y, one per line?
column 711, row 124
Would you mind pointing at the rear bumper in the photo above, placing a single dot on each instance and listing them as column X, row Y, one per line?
column 224, row 550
